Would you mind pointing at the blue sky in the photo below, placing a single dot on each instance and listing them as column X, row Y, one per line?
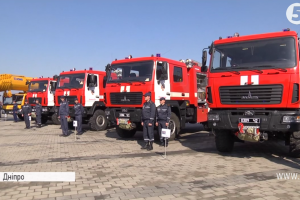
column 46, row 37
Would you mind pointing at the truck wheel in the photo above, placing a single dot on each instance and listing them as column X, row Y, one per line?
column 295, row 145
column 20, row 117
column 44, row 120
column 205, row 126
column 224, row 140
column 174, row 125
column 125, row 133
column 98, row 121
column 55, row 120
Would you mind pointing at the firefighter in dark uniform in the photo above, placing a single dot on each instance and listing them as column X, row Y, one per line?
column 0, row 108
column 63, row 114
column 38, row 113
column 163, row 116
column 26, row 112
column 78, row 115
column 148, row 115
column 15, row 111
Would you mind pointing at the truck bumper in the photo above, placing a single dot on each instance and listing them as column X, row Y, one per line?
column 133, row 114
column 269, row 120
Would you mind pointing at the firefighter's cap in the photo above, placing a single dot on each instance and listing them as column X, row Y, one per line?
column 162, row 98
column 148, row 94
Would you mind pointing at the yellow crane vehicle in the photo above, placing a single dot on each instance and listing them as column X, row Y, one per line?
column 8, row 83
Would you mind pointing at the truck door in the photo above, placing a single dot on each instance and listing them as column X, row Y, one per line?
column 162, row 81
column 179, row 83
column 92, row 92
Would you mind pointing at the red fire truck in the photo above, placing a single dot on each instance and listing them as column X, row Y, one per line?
column 40, row 89
column 181, row 82
column 253, row 89
column 88, row 87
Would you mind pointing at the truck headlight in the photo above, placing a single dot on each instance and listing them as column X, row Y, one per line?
column 107, row 112
column 288, row 119
column 213, row 117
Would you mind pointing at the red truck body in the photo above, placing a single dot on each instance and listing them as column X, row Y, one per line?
column 40, row 89
column 253, row 88
column 88, row 87
column 163, row 77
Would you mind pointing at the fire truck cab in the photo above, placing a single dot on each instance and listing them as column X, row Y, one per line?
column 181, row 82
column 88, row 87
column 253, row 89
column 40, row 89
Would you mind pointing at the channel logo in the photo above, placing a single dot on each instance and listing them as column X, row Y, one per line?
column 293, row 13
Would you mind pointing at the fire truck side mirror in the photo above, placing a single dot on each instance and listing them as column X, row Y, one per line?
column 204, row 68
column 27, row 82
column 204, row 58
column 55, row 77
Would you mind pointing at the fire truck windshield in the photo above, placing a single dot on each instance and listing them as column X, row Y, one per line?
column 131, row 72
column 71, row 81
column 38, row 86
column 256, row 54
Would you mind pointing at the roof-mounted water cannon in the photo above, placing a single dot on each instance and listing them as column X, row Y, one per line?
column 236, row 34
column 190, row 63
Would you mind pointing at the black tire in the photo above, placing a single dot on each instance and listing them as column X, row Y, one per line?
column 205, row 126
column 125, row 133
column 55, row 120
column 295, row 145
column 224, row 140
column 98, row 122
column 174, row 125
column 21, row 118
column 44, row 120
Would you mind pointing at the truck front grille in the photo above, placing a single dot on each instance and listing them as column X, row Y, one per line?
column 251, row 94
column 32, row 100
column 70, row 99
column 126, row 98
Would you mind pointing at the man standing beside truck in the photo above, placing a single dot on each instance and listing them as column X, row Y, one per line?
column 38, row 112
column 26, row 112
column 148, row 114
column 15, row 111
column 0, row 108
column 163, row 116
column 78, row 115
column 63, row 114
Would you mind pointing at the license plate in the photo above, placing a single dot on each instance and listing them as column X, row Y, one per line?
column 123, row 121
column 250, row 120
column 10, row 112
column 124, row 114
